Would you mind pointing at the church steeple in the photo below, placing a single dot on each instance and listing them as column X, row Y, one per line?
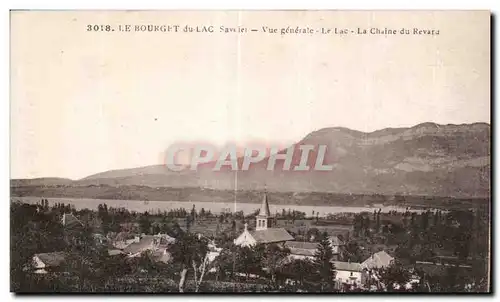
column 264, row 208
column 262, row 219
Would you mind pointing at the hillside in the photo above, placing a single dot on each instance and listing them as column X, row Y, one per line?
column 46, row 181
column 427, row 159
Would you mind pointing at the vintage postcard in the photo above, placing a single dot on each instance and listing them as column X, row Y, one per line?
column 250, row 151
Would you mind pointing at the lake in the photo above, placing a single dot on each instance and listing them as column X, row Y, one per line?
column 214, row 207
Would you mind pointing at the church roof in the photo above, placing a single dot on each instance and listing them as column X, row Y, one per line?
column 264, row 208
column 271, row 235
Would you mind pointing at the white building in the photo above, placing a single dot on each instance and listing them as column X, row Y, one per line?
column 157, row 244
column 348, row 272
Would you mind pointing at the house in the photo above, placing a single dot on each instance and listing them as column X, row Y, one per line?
column 164, row 239
column 264, row 232
column 48, row 261
column 114, row 252
column 148, row 243
column 123, row 239
column 378, row 260
column 302, row 250
column 162, row 256
column 337, row 245
column 138, row 246
column 348, row 272
column 441, row 269
column 69, row 221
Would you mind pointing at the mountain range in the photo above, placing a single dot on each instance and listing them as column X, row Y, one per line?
column 427, row 159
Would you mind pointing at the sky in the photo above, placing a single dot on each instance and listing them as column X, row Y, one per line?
column 87, row 102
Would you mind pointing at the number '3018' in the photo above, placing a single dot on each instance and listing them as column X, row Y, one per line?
column 96, row 27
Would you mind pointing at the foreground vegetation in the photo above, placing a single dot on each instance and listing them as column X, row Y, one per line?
column 413, row 237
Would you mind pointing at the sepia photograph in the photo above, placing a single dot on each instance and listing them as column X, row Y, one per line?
column 297, row 151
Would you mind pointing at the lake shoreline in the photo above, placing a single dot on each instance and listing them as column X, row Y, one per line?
column 214, row 207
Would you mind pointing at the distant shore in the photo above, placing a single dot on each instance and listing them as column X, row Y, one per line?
column 215, row 207
column 140, row 194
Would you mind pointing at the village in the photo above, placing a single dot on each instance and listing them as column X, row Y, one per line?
column 288, row 251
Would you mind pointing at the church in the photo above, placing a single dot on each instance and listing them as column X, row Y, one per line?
column 264, row 231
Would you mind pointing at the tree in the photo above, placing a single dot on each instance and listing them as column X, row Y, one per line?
column 102, row 213
column 302, row 271
column 377, row 228
column 23, row 244
column 32, row 232
column 272, row 259
column 323, row 262
column 226, row 261
column 247, row 261
column 352, row 252
column 83, row 258
column 145, row 223
column 367, row 226
column 239, row 259
column 193, row 213
column 392, row 277
column 313, row 234
column 192, row 253
column 358, row 225
column 233, row 228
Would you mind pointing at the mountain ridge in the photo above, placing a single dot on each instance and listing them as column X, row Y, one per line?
column 426, row 159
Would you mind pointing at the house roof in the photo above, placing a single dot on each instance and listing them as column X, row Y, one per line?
column 438, row 269
column 144, row 243
column 335, row 240
column 347, row 266
column 201, row 228
column 264, row 208
column 303, row 252
column 165, row 238
column 52, row 259
column 378, row 260
column 271, row 235
column 114, row 252
column 301, row 245
column 122, row 236
column 69, row 221
column 122, row 244
column 302, row 248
